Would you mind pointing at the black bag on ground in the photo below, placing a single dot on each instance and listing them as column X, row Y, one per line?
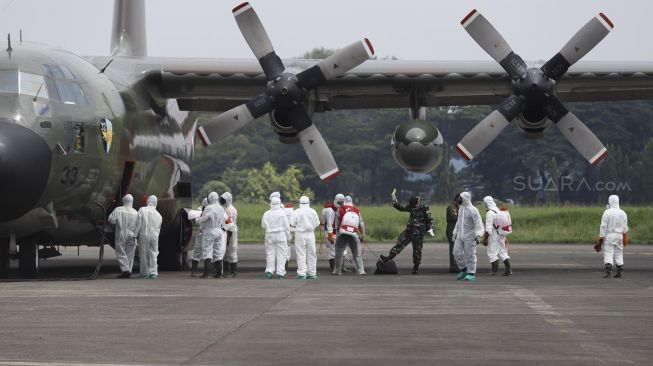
column 389, row 267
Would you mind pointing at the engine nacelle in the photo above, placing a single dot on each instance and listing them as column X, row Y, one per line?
column 417, row 146
column 532, row 130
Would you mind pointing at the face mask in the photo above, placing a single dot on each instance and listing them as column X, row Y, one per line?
column 459, row 200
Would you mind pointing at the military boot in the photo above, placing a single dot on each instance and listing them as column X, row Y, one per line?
column 193, row 270
column 207, row 268
column 495, row 268
column 415, row 268
column 608, row 270
column 218, row 269
column 508, row 271
column 332, row 263
column 234, row 269
column 619, row 269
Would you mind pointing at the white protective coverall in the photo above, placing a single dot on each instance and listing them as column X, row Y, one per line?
column 338, row 201
column 496, row 247
column 466, row 234
column 148, row 227
column 231, row 236
column 277, row 235
column 614, row 224
column 197, row 248
column 290, row 212
column 124, row 217
column 305, row 221
column 211, row 222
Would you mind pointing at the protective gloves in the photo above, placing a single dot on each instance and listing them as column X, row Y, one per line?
column 625, row 240
column 599, row 244
column 431, row 232
column 394, row 194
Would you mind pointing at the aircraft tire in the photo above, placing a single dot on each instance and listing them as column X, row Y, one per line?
column 4, row 258
column 28, row 260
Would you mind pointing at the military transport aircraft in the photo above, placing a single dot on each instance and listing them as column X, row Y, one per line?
column 77, row 133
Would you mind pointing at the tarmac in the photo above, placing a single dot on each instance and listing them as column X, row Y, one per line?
column 555, row 310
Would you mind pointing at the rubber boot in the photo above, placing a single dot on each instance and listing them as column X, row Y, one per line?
column 207, row 268
column 619, row 269
column 415, row 268
column 495, row 268
column 508, row 271
column 218, row 269
column 332, row 263
column 193, row 270
column 226, row 268
column 234, row 269
column 387, row 258
column 608, row 270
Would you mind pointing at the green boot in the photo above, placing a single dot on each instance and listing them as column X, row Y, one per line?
column 462, row 274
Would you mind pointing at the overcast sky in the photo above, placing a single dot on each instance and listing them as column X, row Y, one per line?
column 406, row 29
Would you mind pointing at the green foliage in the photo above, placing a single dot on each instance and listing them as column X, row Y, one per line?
column 255, row 185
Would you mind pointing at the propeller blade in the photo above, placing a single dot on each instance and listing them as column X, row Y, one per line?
column 493, row 43
column 489, row 128
column 576, row 132
column 313, row 143
column 578, row 46
column 234, row 119
column 337, row 64
column 257, row 38
column 318, row 153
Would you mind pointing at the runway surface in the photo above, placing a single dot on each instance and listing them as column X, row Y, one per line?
column 555, row 310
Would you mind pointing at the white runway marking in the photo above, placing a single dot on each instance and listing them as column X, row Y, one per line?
column 36, row 363
column 602, row 352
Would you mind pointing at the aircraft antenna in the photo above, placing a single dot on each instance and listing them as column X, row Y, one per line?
column 9, row 49
column 20, row 39
column 105, row 66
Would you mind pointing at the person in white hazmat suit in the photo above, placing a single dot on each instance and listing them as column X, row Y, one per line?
column 305, row 221
column 466, row 235
column 211, row 223
column 231, row 237
column 494, row 239
column 148, row 227
column 289, row 212
column 277, row 235
column 613, row 236
column 124, row 218
column 197, row 247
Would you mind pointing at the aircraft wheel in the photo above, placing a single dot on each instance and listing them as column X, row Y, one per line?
column 4, row 258
column 28, row 260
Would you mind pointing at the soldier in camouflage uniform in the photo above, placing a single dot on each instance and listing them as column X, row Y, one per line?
column 419, row 223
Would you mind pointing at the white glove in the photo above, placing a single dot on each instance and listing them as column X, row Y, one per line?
column 431, row 232
column 394, row 194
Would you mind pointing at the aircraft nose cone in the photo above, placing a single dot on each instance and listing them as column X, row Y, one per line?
column 25, row 161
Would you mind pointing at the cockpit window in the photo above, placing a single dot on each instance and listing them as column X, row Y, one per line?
column 33, row 85
column 63, row 85
column 9, row 82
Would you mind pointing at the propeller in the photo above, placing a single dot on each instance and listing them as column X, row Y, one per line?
column 286, row 92
column 533, row 89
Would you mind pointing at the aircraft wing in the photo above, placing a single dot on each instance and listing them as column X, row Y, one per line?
column 221, row 84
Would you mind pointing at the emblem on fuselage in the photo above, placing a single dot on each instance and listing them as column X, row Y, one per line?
column 106, row 131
